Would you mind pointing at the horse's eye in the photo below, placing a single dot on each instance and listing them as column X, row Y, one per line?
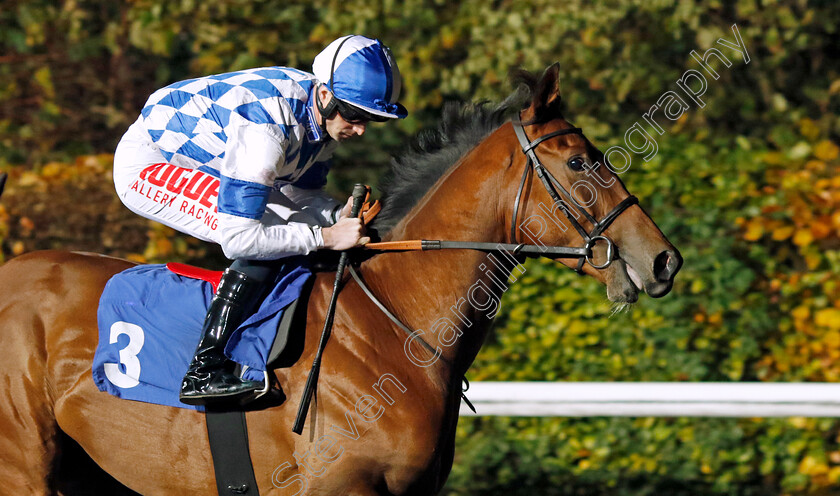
column 576, row 164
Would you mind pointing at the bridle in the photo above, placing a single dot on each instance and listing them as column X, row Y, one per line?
column 552, row 185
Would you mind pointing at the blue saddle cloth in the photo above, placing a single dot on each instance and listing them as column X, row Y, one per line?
column 150, row 323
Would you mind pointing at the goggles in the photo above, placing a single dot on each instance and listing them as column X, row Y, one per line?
column 355, row 115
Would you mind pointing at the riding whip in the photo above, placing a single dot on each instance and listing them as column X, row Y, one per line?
column 359, row 193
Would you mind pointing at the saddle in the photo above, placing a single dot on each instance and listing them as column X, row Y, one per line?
column 288, row 345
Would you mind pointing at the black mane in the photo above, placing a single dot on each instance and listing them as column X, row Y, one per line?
column 433, row 152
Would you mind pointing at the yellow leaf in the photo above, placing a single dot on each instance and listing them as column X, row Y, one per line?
column 809, row 129
column 44, row 79
column 834, row 475
column 811, row 466
column 813, row 260
column 803, row 237
column 774, row 158
column 784, row 232
column 52, row 169
column 801, row 312
column 164, row 247
column 821, row 184
column 754, row 230
column 828, row 317
column 798, row 422
column 28, row 179
column 826, row 150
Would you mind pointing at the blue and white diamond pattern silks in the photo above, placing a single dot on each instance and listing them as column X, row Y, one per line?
column 258, row 118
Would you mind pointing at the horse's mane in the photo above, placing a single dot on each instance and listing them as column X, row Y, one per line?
column 433, row 152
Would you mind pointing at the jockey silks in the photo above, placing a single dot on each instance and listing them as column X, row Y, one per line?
column 234, row 158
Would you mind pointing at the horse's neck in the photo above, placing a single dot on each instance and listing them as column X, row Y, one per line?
column 451, row 295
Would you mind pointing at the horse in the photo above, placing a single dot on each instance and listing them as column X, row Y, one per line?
column 383, row 421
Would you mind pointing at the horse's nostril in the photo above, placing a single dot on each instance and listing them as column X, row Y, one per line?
column 666, row 265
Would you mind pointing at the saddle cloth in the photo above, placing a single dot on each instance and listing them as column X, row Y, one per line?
column 150, row 323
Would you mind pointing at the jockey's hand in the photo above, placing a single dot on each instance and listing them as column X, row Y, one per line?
column 344, row 234
column 345, row 212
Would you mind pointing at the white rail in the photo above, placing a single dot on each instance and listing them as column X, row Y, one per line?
column 654, row 399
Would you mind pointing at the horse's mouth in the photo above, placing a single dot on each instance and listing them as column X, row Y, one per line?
column 653, row 287
column 621, row 286
column 634, row 276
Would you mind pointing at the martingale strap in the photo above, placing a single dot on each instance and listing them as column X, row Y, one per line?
column 388, row 313
column 408, row 331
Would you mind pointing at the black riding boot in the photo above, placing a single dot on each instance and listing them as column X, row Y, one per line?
column 210, row 378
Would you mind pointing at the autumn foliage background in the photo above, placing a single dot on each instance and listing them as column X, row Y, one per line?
column 747, row 188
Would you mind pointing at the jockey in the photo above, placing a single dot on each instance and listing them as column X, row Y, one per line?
column 239, row 159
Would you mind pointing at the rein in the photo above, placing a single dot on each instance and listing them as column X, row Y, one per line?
column 516, row 249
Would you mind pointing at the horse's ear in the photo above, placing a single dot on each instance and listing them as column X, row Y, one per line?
column 546, row 96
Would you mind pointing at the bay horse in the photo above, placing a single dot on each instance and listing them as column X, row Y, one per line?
column 384, row 418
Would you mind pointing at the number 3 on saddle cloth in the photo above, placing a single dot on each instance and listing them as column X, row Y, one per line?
column 150, row 321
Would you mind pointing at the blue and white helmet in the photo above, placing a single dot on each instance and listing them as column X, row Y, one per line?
column 362, row 72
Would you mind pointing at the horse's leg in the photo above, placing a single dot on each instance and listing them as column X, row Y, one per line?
column 27, row 426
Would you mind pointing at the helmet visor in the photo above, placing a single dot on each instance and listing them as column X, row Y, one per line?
column 355, row 115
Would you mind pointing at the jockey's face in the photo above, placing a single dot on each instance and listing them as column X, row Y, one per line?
column 338, row 128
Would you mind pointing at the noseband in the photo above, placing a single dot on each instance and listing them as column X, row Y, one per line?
column 552, row 185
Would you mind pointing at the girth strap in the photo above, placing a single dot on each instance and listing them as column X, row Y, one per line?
column 228, row 435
